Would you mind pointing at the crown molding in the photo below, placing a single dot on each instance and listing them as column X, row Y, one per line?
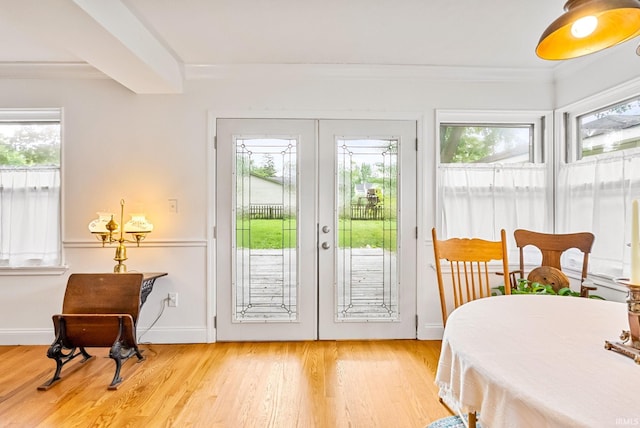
column 49, row 70
column 66, row 70
column 366, row 72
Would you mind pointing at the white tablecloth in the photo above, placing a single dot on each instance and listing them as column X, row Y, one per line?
column 539, row 361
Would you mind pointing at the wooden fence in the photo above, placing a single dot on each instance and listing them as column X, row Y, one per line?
column 276, row 211
column 367, row 212
column 266, row 211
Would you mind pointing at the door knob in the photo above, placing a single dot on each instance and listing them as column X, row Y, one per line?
column 325, row 245
column 326, row 229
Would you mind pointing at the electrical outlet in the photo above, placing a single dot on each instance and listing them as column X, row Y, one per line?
column 173, row 206
column 173, row 300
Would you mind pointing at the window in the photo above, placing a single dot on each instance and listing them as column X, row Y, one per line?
column 30, row 188
column 601, row 177
column 610, row 129
column 485, row 143
column 491, row 173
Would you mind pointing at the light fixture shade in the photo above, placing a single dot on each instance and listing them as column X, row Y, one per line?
column 138, row 224
column 618, row 21
column 99, row 225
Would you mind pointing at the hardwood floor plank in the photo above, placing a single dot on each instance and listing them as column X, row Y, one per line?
column 266, row 384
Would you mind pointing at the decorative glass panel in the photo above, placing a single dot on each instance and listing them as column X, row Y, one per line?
column 265, row 286
column 367, row 196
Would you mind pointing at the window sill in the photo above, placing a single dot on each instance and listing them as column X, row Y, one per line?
column 33, row 270
column 607, row 281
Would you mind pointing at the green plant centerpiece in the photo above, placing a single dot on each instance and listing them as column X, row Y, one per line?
column 525, row 286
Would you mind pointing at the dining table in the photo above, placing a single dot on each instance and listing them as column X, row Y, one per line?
column 539, row 361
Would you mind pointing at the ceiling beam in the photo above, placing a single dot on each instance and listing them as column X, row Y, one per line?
column 105, row 34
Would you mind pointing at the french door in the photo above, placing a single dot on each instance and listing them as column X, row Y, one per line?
column 315, row 224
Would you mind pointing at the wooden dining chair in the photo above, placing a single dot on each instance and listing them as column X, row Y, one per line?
column 552, row 246
column 468, row 263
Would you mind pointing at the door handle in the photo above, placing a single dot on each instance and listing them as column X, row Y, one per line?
column 326, row 229
column 325, row 245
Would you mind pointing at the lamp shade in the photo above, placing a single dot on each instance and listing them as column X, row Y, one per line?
column 99, row 225
column 138, row 224
column 608, row 22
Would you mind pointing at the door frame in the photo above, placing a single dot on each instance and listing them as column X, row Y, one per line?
column 424, row 216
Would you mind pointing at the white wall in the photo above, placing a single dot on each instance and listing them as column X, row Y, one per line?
column 150, row 148
column 597, row 73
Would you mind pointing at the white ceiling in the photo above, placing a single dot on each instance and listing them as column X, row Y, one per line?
column 147, row 44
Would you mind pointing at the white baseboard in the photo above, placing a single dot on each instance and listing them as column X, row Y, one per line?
column 155, row 335
column 173, row 335
column 430, row 332
column 160, row 335
column 34, row 336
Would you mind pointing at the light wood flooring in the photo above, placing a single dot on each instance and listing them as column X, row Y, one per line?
column 320, row 384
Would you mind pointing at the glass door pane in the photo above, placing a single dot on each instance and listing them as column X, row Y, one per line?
column 265, row 286
column 367, row 193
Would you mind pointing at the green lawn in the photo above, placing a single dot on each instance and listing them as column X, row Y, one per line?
column 276, row 234
column 367, row 233
column 266, row 234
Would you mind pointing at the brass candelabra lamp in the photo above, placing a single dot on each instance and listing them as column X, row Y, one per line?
column 630, row 339
column 108, row 231
column 629, row 343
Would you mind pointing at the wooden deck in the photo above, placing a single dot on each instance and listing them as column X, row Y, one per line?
column 367, row 289
column 365, row 286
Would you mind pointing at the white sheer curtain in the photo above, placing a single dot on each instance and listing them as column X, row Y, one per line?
column 30, row 217
column 595, row 194
column 478, row 200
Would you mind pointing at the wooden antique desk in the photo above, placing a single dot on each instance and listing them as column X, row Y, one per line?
column 99, row 310
column 539, row 361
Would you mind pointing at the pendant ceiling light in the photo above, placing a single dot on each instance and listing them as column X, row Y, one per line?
column 589, row 26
